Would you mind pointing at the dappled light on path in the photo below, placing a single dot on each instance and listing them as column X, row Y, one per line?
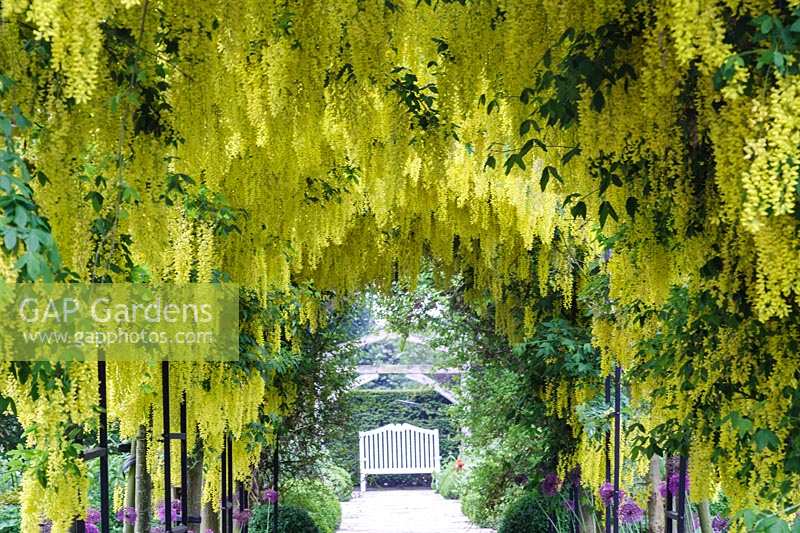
column 404, row 511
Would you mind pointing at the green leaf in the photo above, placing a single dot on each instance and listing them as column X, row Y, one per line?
column 741, row 424
column 490, row 162
column 10, row 238
column 765, row 24
column 526, row 147
column 514, row 159
column 545, row 178
column 631, row 206
column 579, row 210
column 606, row 210
column 778, row 60
column 598, row 101
column 491, row 107
column 20, row 216
column 96, row 199
column 766, row 439
column 570, row 154
column 554, row 173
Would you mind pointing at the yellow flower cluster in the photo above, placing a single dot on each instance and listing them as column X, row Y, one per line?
column 356, row 137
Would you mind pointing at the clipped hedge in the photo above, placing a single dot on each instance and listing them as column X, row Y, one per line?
column 291, row 519
column 374, row 408
column 339, row 481
column 315, row 497
column 531, row 513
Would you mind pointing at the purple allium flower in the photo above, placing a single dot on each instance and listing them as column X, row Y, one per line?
column 92, row 516
column 719, row 524
column 92, row 528
column 127, row 515
column 607, row 493
column 46, row 526
column 270, row 495
column 674, row 483
column 175, row 511
column 242, row 516
column 550, row 484
column 630, row 512
column 209, row 530
column 156, row 529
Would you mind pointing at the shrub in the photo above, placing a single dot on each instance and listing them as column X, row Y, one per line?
column 490, row 487
column 339, row 481
column 291, row 519
column 316, row 498
column 450, row 481
column 531, row 513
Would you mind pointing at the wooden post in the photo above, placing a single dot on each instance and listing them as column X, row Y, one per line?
column 143, row 486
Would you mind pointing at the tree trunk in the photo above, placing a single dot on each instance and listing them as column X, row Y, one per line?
column 655, row 507
column 588, row 519
column 209, row 519
column 705, row 517
column 143, row 484
column 195, row 488
column 130, row 489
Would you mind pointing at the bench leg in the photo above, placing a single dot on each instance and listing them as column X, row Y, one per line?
column 363, row 483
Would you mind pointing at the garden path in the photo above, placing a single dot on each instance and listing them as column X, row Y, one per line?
column 404, row 511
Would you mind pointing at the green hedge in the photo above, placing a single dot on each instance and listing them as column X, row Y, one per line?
column 534, row 513
column 374, row 408
column 339, row 481
column 315, row 497
column 290, row 520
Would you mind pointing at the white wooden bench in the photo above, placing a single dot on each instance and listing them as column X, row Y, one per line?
column 398, row 449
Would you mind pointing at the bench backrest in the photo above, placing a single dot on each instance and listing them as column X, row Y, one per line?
column 399, row 449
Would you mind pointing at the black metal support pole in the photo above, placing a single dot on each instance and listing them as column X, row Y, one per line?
column 243, row 504
column 184, row 464
column 682, row 467
column 105, row 507
column 669, row 500
column 276, row 470
column 230, row 482
column 617, row 431
column 576, row 504
column 608, row 456
column 223, row 514
column 167, row 476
